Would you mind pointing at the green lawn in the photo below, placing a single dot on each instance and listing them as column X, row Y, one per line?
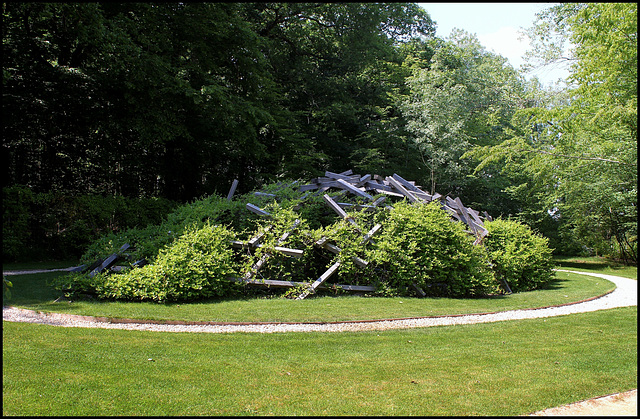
column 596, row 265
column 504, row 368
column 31, row 292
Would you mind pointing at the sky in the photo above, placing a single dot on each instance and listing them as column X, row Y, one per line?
column 497, row 26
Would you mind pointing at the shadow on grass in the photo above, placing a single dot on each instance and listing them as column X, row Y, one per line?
column 587, row 265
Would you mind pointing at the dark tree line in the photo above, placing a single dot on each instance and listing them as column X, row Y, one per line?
column 178, row 99
column 175, row 100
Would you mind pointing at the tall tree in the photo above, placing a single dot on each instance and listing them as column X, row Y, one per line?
column 461, row 96
column 581, row 153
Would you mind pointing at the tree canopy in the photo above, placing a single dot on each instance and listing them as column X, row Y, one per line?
column 175, row 100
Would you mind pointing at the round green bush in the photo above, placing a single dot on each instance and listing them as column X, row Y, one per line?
column 420, row 245
column 194, row 266
column 518, row 256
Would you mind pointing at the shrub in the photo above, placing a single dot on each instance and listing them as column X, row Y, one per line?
column 420, row 245
column 518, row 255
column 196, row 265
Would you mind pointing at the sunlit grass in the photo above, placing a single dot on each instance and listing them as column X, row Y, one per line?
column 505, row 368
column 597, row 265
column 32, row 292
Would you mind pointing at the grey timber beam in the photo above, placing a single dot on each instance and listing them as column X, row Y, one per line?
column 402, row 189
column 284, row 250
column 367, row 237
column 319, row 281
column 256, row 266
column 234, row 185
column 257, row 210
column 354, row 190
column 291, row 284
column 108, row 261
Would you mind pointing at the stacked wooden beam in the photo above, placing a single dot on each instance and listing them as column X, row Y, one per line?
column 365, row 187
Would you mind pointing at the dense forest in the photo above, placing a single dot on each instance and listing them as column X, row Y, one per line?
column 169, row 102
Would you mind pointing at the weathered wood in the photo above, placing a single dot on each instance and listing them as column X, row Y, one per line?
column 257, row 210
column 336, row 250
column 343, row 176
column 466, row 218
column 284, row 250
column 270, row 195
column 367, row 237
column 291, row 284
column 402, row 189
column 334, row 206
column 363, row 180
column 319, row 281
column 408, row 185
column 234, row 185
column 382, row 188
column 353, row 189
column 256, row 266
column 308, row 187
column 106, row 263
column 359, row 207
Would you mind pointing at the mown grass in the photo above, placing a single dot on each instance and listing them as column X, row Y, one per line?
column 505, row 368
column 597, row 265
column 32, row 292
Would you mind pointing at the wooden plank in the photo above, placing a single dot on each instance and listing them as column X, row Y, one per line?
column 363, row 180
column 270, row 195
column 408, row 185
column 290, row 284
column 334, row 206
column 104, row 265
column 353, row 189
column 234, row 185
column 256, row 266
column 319, row 281
column 371, row 232
column 343, row 176
column 309, row 187
column 465, row 215
column 402, row 189
column 336, row 250
column 359, row 207
column 296, row 253
column 379, row 201
column 257, row 210
column 475, row 215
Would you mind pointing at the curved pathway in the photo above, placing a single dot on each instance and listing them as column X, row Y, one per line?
column 625, row 294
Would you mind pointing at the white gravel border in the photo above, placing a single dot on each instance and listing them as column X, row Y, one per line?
column 625, row 294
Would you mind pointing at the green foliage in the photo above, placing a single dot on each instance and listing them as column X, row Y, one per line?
column 55, row 225
column 573, row 153
column 518, row 255
column 420, row 245
column 6, row 292
column 196, row 265
column 15, row 221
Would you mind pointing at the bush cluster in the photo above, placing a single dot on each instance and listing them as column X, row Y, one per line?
column 518, row 255
column 190, row 255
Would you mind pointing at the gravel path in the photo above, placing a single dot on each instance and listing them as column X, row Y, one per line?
column 625, row 294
